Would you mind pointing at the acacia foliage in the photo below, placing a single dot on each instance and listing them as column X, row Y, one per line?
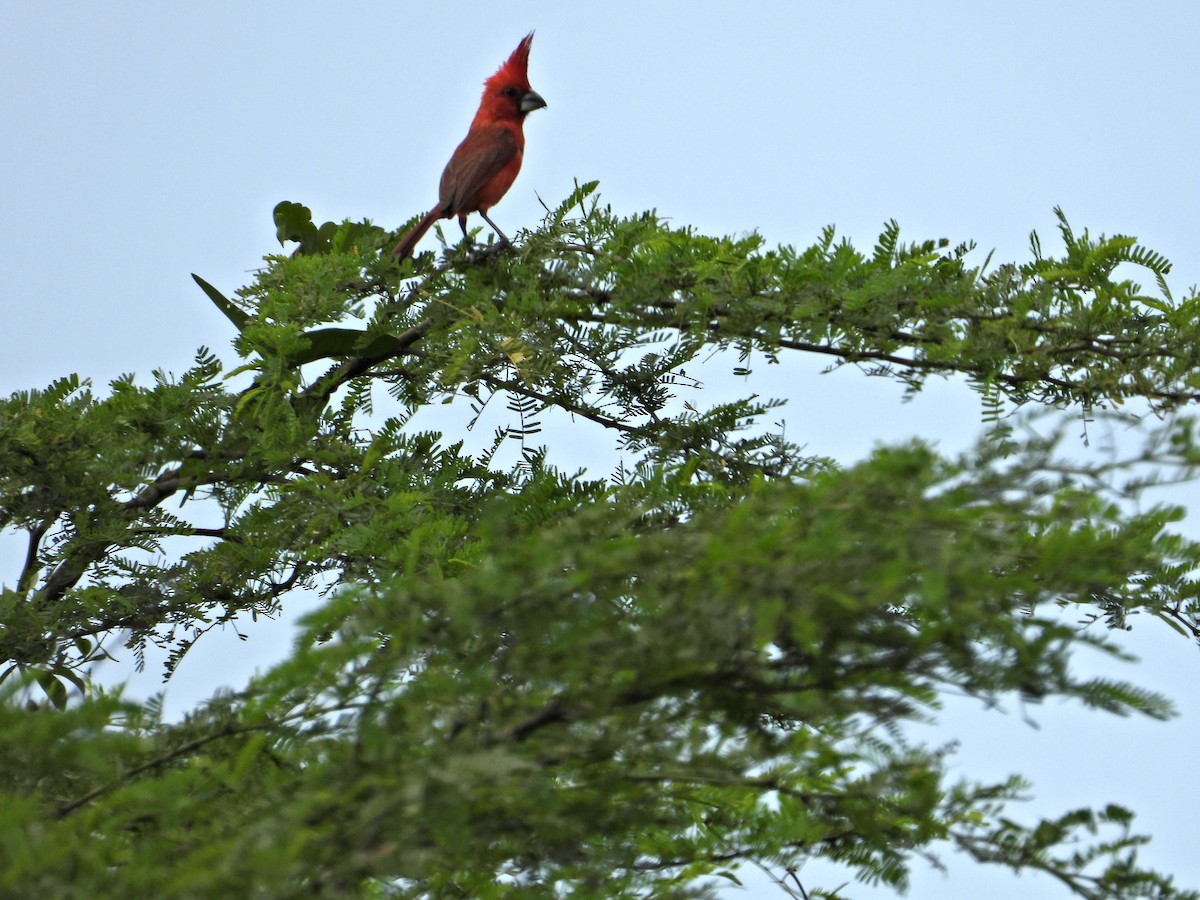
column 527, row 681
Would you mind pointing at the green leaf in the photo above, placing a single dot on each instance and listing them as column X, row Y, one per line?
column 335, row 343
column 53, row 688
column 294, row 222
column 235, row 314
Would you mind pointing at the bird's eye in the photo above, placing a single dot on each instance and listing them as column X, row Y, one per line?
column 509, row 92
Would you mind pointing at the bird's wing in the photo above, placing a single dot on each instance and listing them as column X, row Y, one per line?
column 478, row 159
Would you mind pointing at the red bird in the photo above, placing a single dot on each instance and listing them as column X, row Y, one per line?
column 486, row 163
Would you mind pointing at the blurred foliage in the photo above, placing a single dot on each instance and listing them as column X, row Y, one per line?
column 527, row 682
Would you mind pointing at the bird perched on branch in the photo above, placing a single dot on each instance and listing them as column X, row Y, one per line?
column 485, row 164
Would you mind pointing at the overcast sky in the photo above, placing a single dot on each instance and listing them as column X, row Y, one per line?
column 144, row 141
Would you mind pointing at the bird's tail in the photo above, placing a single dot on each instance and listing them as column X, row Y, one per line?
column 404, row 249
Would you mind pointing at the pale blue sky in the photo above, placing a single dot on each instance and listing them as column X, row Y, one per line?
column 142, row 142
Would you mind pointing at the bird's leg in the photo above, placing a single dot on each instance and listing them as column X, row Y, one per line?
column 462, row 223
column 495, row 228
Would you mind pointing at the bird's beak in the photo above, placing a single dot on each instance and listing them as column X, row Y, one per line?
column 530, row 101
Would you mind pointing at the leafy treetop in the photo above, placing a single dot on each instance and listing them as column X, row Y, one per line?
column 525, row 681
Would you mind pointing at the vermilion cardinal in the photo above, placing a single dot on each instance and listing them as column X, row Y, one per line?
column 489, row 158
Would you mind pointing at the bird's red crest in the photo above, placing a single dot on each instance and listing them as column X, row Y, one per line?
column 515, row 70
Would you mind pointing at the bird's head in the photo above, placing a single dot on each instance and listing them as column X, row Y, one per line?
column 507, row 94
